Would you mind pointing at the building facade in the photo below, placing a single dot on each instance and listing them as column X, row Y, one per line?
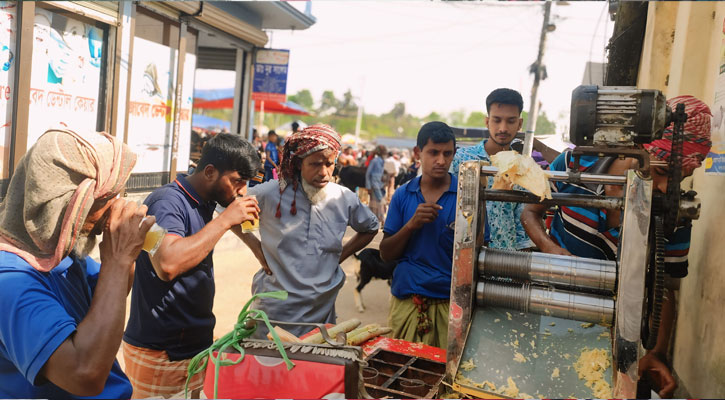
column 115, row 66
column 684, row 53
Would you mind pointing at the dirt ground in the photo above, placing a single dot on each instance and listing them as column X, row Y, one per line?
column 234, row 267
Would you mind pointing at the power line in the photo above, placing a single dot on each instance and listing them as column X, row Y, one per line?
column 594, row 35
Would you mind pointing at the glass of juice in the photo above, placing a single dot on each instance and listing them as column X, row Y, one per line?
column 154, row 237
column 250, row 226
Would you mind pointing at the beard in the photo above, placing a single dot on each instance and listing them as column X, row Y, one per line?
column 220, row 196
column 84, row 245
column 314, row 194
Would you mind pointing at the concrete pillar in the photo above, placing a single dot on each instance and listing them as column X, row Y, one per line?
column 690, row 50
column 699, row 351
column 654, row 65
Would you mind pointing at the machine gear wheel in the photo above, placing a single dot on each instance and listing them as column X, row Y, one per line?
column 655, row 287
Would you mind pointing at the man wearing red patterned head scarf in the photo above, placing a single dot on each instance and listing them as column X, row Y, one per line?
column 592, row 233
column 303, row 219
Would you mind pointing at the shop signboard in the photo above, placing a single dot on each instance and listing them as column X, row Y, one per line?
column 715, row 161
column 8, row 24
column 66, row 73
column 270, row 75
column 151, row 106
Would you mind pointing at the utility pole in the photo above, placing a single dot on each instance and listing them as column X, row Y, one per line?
column 358, row 120
column 626, row 43
column 539, row 71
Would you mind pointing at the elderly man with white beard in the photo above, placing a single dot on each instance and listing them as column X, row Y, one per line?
column 303, row 219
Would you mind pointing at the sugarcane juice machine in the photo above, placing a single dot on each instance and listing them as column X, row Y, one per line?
column 526, row 316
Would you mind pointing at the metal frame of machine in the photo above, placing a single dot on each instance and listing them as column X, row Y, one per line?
column 612, row 119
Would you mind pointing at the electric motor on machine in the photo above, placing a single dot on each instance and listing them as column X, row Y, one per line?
column 617, row 116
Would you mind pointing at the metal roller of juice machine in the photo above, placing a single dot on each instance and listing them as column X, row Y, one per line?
column 626, row 294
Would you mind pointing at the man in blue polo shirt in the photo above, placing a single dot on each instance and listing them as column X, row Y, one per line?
column 418, row 234
column 62, row 312
column 171, row 306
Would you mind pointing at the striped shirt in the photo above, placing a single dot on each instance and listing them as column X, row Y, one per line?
column 503, row 219
column 257, row 179
column 584, row 232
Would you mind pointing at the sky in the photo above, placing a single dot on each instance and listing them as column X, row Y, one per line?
column 441, row 56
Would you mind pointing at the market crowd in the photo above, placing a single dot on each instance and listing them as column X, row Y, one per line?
column 64, row 312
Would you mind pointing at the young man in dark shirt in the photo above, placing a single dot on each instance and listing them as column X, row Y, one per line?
column 173, row 291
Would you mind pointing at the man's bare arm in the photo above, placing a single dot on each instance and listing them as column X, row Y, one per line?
column 176, row 255
column 358, row 242
column 653, row 363
column 392, row 247
column 531, row 219
column 254, row 244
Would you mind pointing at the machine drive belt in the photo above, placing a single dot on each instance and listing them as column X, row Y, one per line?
column 656, row 290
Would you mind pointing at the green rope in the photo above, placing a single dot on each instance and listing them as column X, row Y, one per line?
column 232, row 339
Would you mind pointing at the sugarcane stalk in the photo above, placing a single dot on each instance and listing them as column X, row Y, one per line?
column 284, row 336
column 345, row 326
column 362, row 329
column 366, row 335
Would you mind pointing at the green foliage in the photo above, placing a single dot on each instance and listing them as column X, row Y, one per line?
column 544, row 126
column 303, row 98
column 476, row 119
column 433, row 116
column 223, row 114
column 457, row 118
column 398, row 111
column 328, row 102
column 348, row 107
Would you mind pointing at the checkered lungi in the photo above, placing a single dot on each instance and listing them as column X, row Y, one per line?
column 152, row 374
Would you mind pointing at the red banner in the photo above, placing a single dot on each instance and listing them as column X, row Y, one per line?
column 259, row 96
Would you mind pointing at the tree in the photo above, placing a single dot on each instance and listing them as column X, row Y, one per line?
column 544, row 126
column 457, row 118
column 433, row 116
column 329, row 104
column 303, row 98
column 476, row 119
column 398, row 111
column 348, row 107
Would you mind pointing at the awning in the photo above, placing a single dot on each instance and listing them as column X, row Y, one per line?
column 273, row 107
column 209, row 123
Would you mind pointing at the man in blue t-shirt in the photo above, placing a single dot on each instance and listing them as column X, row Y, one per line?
column 418, row 235
column 63, row 313
column 173, row 292
column 272, row 156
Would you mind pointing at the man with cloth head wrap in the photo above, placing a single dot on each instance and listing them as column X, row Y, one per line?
column 592, row 233
column 303, row 219
column 63, row 313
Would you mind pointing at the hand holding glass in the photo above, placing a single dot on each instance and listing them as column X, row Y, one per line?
column 251, row 226
column 154, row 237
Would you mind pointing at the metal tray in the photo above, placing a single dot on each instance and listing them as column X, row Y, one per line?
column 395, row 370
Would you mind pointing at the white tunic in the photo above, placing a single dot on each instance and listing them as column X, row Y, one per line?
column 303, row 251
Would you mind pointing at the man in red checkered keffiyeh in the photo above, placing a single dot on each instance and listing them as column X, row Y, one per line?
column 299, row 145
column 696, row 142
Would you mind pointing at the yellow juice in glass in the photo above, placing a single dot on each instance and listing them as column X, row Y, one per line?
column 153, row 239
column 250, row 226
